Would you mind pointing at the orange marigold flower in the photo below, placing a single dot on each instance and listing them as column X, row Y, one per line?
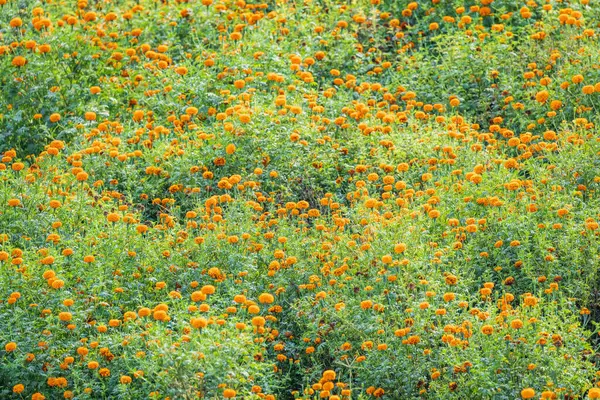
column 10, row 346
column 16, row 22
column 181, row 70
column 487, row 330
column 516, row 324
column 199, row 323
column 527, row 393
column 266, row 298
column 594, row 393
column 208, row 289
column 65, row 316
column 542, row 96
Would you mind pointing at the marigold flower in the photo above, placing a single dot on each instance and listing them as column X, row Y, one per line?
column 16, row 22
column 594, row 393
column 527, row 393
column 266, row 298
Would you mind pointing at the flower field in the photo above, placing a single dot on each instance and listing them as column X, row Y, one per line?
column 300, row 199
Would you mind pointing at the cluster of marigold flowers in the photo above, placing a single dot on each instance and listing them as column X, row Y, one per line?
column 385, row 191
